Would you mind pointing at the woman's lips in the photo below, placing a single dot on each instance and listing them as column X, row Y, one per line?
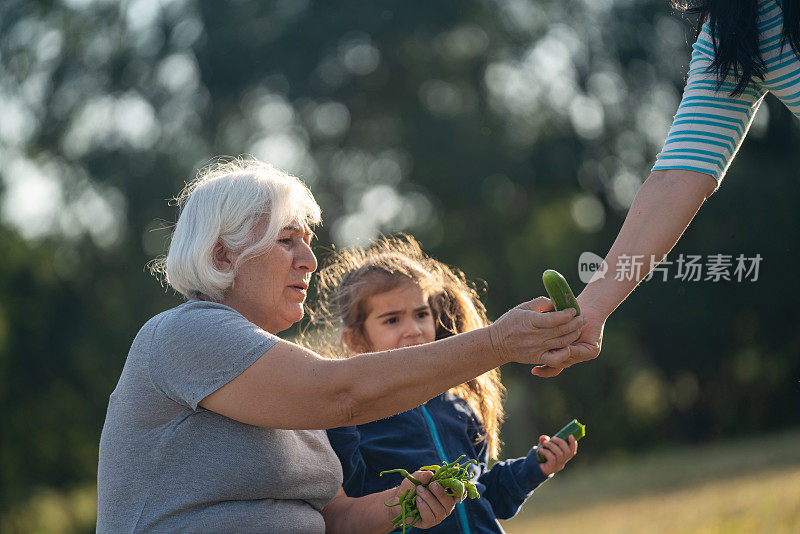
column 300, row 289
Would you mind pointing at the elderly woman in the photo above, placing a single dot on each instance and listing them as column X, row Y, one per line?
column 211, row 427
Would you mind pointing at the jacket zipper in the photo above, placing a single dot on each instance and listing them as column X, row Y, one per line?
column 461, row 513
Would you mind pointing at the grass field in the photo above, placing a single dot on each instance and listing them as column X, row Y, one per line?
column 734, row 487
column 740, row 487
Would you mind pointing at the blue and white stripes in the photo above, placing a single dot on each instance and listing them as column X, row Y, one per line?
column 709, row 126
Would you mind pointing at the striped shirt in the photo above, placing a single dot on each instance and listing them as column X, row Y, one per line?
column 710, row 126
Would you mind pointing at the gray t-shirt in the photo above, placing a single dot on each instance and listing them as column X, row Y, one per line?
column 167, row 465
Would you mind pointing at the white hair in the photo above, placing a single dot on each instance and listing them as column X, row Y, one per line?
column 228, row 203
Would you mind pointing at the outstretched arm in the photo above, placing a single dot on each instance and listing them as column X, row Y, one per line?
column 663, row 208
column 291, row 387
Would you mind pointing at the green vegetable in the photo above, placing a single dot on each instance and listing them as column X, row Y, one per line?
column 574, row 428
column 454, row 486
column 559, row 291
column 472, row 491
column 453, row 477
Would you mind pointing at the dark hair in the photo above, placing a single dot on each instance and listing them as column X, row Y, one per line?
column 735, row 28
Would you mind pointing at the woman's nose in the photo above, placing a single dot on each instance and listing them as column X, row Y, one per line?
column 306, row 259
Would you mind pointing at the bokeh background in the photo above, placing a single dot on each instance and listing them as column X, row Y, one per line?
column 509, row 136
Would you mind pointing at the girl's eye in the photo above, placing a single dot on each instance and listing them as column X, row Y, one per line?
column 423, row 314
column 285, row 240
column 390, row 320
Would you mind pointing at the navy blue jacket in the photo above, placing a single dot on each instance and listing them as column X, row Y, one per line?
column 439, row 431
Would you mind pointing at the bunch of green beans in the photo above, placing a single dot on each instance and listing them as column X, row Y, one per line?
column 453, row 477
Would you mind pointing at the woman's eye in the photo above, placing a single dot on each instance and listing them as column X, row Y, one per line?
column 423, row 314
column 390, row 320
column 285, row 240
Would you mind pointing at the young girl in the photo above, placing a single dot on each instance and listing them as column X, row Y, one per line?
column 392, row 295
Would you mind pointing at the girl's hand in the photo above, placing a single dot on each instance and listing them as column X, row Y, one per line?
column 433, row 503
column 557, row 451
column 526, row 334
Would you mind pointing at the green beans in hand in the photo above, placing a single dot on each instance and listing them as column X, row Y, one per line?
column 454, row 477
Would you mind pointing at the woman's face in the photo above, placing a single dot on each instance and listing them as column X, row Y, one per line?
column 270, row 289
column 398, row 318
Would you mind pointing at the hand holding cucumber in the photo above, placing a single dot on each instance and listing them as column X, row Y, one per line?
column 553, row 453
column 559, row 291
column 587, row 346
column 556, row 453
column 527, row 335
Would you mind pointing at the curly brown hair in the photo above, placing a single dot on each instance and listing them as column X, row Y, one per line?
column 351, row 276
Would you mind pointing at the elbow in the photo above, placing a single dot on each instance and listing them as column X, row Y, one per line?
column 358, row 404
column 336, row 396
column 345, row 409
column 347, row 400
column 503, row 510
column 358, row 396
column 509, row 510
column 355, row 399
column 361, row 403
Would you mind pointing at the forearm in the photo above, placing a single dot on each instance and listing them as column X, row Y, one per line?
column 663, row 208
column 362, row 515
column 404, row 378
column 510, row 482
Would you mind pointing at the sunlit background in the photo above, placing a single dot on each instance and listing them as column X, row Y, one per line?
column 509, row 136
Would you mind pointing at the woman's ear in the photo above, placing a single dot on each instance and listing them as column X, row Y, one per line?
column 354, row 340
column 222, row 257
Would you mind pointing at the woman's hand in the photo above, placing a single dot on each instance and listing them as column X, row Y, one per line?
column 586, row 347
column 433, row 503
column 526, row 334
column 370, row 513
column 557, row 451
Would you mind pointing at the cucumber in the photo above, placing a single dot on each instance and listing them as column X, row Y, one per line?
column 559, row 291
column 573, row 427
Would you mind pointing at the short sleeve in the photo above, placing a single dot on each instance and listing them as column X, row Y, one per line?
column 199, row 347
column 710, row 125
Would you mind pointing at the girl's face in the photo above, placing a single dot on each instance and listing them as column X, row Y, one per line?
column 398, row 318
